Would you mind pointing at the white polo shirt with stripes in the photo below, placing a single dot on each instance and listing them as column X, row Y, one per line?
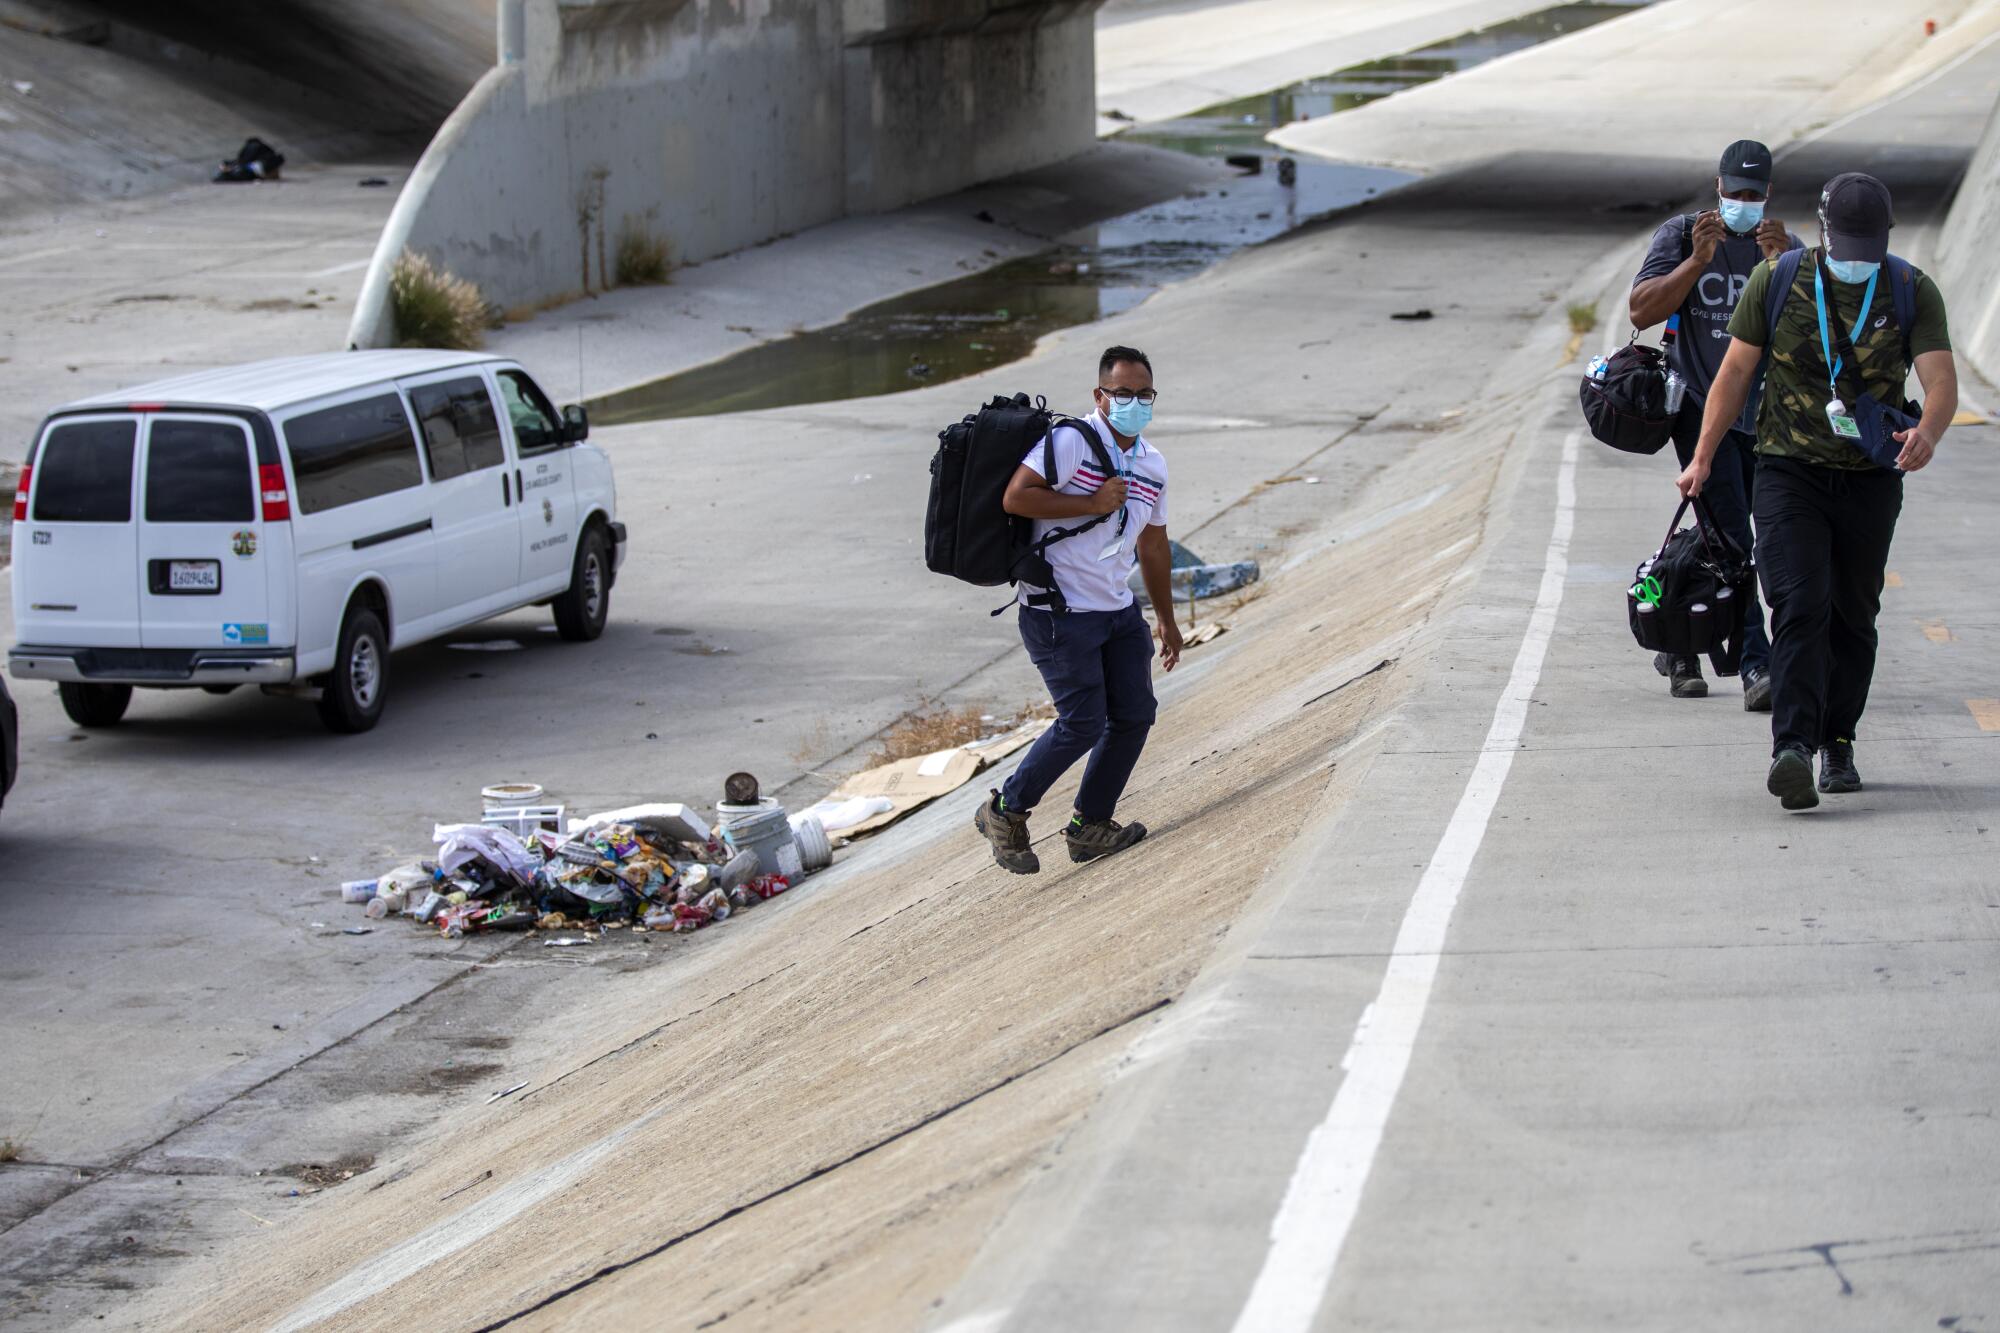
column 1093, row 567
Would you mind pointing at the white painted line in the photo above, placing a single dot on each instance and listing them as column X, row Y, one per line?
column 1312, row 1223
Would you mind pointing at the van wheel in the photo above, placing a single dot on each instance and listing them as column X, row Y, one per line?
column 94, row 705
column 585, row 605
column 359, row 682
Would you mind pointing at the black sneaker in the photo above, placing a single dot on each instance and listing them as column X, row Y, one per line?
column 1008, row 833
column 1791, row 778
column 1102, row 837
column 1756, row 691
column 1837, row 774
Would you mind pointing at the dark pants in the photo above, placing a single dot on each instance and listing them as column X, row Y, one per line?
column 1823, row 539
column 1731, row 484
column 1098, row 666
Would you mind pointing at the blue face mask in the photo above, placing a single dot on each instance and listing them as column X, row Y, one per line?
column 1127, row 418
column 1741, row 215
column 1852, row 270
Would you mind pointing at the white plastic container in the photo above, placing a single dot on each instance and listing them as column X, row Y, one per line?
column 511, row 795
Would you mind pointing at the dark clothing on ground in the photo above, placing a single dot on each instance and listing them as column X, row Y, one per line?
column 1823, row 539
column 1704, row 335
column 1791, row 422
column 1731, row 483
column 1098, row 666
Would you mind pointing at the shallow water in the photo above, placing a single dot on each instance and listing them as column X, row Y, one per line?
column 991, row 318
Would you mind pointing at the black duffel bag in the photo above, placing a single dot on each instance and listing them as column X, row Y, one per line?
column 1626, row 404
column 1692, row 596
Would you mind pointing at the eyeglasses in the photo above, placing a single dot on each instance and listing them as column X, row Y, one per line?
column 1124, row 396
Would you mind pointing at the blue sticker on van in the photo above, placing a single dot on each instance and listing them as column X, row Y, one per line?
column 233, row 633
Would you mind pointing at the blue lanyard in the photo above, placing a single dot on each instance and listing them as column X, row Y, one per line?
column 1825, row 338
column 1121, row 465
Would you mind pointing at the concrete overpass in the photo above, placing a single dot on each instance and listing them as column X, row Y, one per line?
column 714, row 126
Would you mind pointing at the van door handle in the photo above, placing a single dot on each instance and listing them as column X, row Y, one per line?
column 518, row 492
column 506, row 500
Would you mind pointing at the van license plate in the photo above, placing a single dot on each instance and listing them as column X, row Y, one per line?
column 194, row 576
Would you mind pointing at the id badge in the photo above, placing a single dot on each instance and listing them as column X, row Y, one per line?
column 1843, row 422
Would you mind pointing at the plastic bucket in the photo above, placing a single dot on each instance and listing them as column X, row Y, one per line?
column 815, row 848
column 766, row 830
column 511, row 795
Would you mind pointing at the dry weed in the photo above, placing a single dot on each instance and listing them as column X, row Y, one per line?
column 10, row 1151
column 643, row 260
column 929, row 729
column 433, row 308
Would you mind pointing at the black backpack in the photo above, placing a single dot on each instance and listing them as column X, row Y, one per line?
column 1693, row 595
column 966, row 532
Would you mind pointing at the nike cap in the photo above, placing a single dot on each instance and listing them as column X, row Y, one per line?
column 1855, row 217
column 1745, row 165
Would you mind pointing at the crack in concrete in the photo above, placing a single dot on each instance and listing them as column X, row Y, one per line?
column 611, row 1269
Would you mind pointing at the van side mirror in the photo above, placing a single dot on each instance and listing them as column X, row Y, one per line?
column 576, row 424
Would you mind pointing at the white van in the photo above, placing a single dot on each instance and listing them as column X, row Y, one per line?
column 287, row 523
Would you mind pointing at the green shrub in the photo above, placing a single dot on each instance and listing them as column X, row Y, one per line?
column 642, row 257
column 433, row 308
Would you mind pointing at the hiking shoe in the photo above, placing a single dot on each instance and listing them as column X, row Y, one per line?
column 1683, row 674
column 1008, row 832
column 1837, row 774
column 1791, row 779
column 1756, row 691
column 1102, row 837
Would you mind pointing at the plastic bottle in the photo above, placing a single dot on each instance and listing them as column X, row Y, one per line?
column 1649, row 624
column 357, row 890
column 1676, row 391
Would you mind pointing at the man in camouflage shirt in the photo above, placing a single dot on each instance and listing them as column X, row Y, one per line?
column 1825, row 512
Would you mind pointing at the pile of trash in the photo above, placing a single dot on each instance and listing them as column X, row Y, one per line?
column 657, row 867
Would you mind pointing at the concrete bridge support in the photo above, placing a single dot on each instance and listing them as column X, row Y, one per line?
column 713, row 125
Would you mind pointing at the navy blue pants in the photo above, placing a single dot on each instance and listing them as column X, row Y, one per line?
column 1732, row 484
column 1098, row 666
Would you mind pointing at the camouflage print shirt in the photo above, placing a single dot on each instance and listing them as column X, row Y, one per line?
column 1792, row 421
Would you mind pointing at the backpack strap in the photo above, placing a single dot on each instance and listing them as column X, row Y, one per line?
column 1053, row 599
column 1903, row 297
column 1784, row 272
column 1687, row 237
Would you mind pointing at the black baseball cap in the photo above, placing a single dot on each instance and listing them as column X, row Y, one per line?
column 1855, row 217
column 1745, row 165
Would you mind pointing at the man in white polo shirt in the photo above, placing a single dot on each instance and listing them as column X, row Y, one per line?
column 1096, row 656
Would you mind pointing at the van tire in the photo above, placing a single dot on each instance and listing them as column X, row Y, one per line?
column 585, row 605
column 94, row 705
column 358, row 685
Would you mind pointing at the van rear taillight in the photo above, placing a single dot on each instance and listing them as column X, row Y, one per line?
column 270, row 484
column 21, row 494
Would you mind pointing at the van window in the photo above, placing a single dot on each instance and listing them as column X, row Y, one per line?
column 357, row 451
column 536, row 425
column 198, row 472
column 461, row 434
column 84, row 473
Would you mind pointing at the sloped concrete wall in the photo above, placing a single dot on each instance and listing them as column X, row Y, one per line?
column 1969, row 258
column 717, row 124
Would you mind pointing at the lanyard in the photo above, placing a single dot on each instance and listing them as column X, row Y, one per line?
column 1825, row 340
column 1121, row 466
